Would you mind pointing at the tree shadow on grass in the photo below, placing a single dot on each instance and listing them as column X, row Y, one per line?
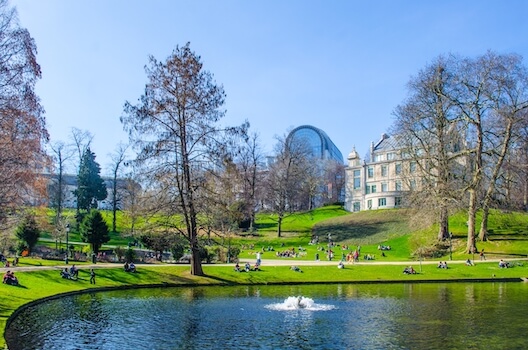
column 138, row 277
column 343, row 232
column 17, row 286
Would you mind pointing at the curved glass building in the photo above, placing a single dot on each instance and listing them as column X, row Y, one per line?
column 321, row 145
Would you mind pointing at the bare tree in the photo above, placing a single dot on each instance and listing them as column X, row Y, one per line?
column 22, row 125
column 118, row 161
column 175, row 128
column 132, row 201
column 57, row 190
column 285, row 177
column 81, row 139
column 516, row 170
column 507, row 90
column 334, row 173
column 458, row 104
column 428, row 129
column 250, row 163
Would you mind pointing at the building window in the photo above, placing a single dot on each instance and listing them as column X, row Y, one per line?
column 383, row 170
column 378, row 157
column 398, row 185
column 373, row 188
column 357, row 179
column 391, row 156
column 382, row 202
column 370, row 172
column 397, row 201
column 398, row 169
column 384, row 187
column 369, row 204
column 412, row 184
column 370, row 189
column 356, row 206
column 412, row 167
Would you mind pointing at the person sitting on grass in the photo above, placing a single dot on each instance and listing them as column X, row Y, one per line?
column 409, row 270
column 469, row 263
column 65, row 274
column 295, row 268
column 341, row 265
column 130, row 267
column 9, row 278
column 503, row 264
column 247, row 267
column 256, row 267
column 237, row 267
column 442, row 265
column 74, row 272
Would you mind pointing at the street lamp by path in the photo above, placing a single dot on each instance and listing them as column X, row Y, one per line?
column 450, row 246
column 67, row 244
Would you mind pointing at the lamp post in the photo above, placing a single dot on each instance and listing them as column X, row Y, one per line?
column 450, row 246
column 67, row 244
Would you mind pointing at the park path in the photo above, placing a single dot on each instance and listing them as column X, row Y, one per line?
column 265, row 262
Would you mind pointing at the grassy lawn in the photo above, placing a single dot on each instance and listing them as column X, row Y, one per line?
column 368, row 229
column 40, row 284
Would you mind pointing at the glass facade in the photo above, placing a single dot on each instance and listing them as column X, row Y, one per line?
column 321, row 145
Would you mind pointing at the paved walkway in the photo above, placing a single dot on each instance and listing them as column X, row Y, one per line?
column 265, row 262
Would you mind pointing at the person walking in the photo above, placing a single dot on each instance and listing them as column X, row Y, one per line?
column 92, row 276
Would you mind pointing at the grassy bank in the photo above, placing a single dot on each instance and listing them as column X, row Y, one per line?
column 39, row 284
column 347, row 230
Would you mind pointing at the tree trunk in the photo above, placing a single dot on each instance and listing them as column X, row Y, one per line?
column 196, row 262
column 472, row 210
column 279, row 226
column 443, row 231
column 483, row 234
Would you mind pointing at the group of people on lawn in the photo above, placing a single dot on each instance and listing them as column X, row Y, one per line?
column 6, row 262
column 71, row 274
column 9, row 278
column 129, row 267
column 247, row 267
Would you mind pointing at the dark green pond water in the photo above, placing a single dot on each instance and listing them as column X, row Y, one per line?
column 344, row 316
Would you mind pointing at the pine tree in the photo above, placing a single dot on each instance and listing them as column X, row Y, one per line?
column 90, row 186
column 28, row 233
column 94, row 230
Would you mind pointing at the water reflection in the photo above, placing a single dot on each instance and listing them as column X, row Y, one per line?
column 399, row 316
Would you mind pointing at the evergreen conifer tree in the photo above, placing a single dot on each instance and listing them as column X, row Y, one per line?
column 90, row 186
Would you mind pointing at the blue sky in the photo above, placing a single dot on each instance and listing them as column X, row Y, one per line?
column 341, row 66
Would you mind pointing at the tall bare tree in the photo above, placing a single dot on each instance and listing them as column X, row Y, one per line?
column 132, row 202
column 428, row 129
column 175, row 129
column 119, row 160
column 250, row 162
column 22, row 124
column 61, row 153
column 507, row 90
column 472, row 105
column 515, row 187
column 285, row 177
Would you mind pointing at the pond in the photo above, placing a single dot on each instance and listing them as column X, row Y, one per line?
column 337, row 316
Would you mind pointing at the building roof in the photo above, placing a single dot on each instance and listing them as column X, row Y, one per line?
column 322, row 145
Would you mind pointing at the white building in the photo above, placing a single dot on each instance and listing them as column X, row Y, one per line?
column 375, row 183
